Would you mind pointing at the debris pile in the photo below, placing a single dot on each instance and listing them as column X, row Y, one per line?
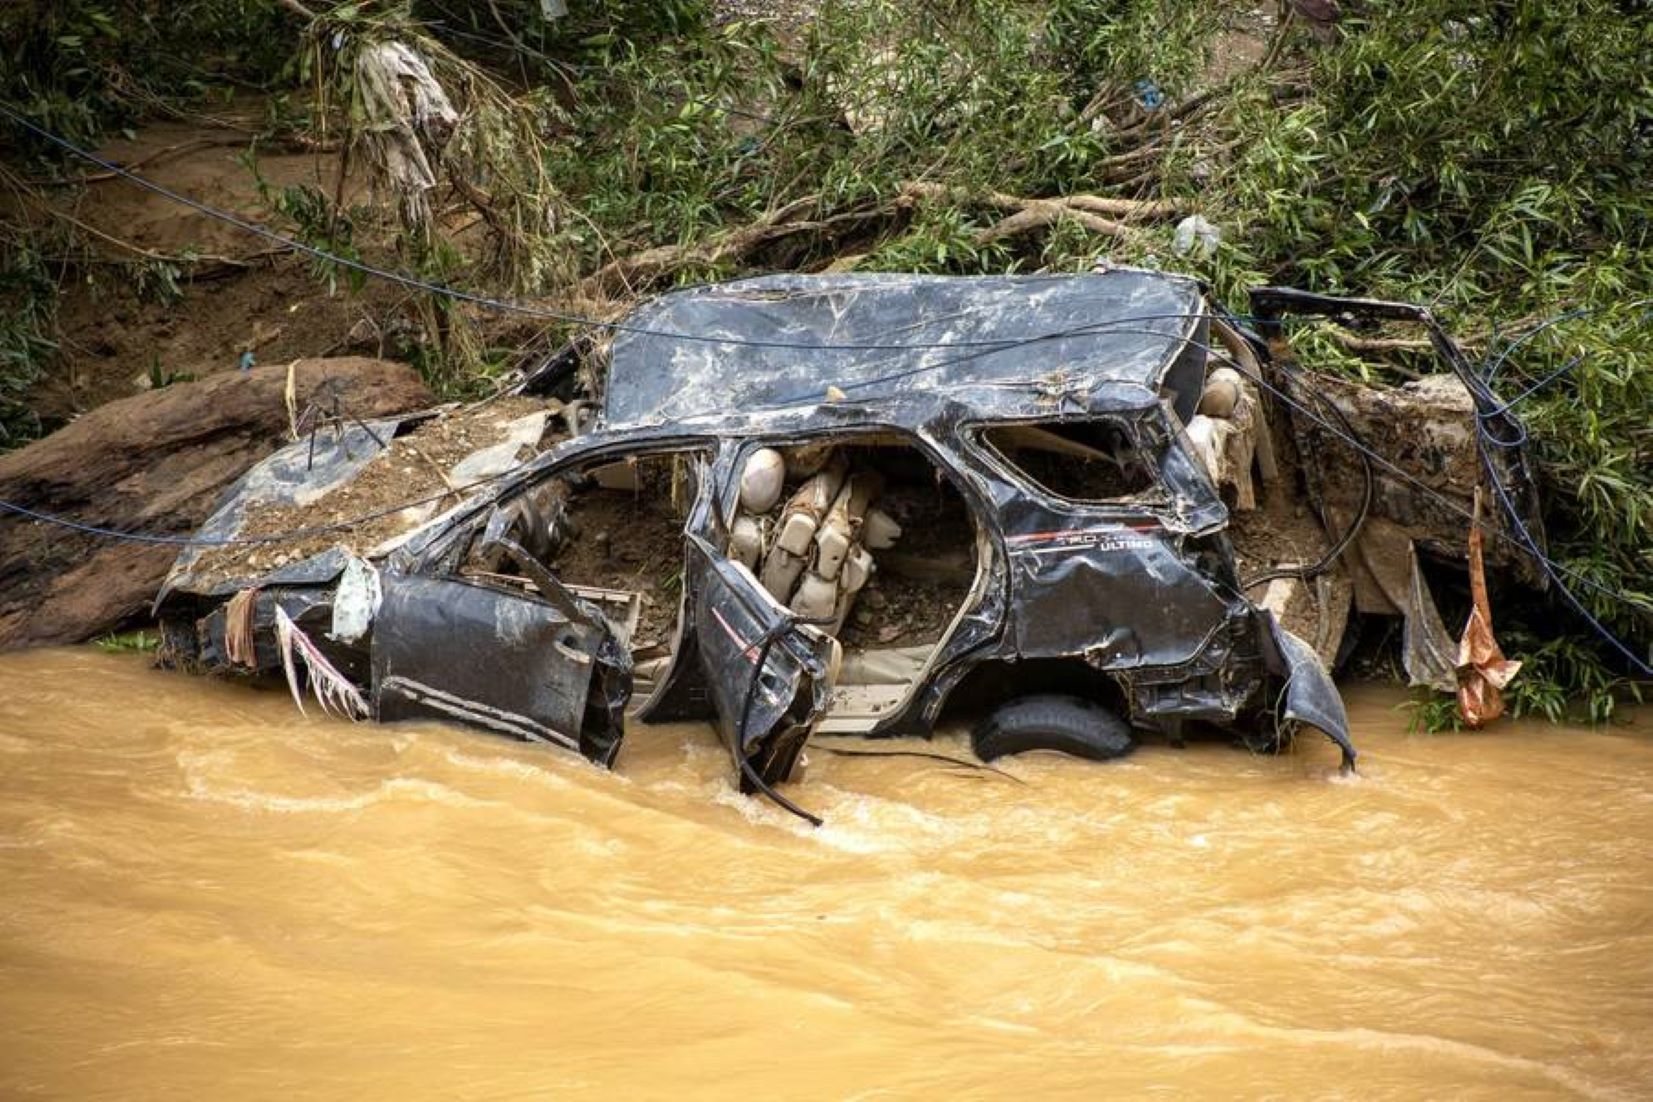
column 427, row 461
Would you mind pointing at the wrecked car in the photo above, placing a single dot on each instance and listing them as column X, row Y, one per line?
column 792, row 505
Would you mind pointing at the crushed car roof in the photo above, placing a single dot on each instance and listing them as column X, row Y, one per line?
column 788, row 336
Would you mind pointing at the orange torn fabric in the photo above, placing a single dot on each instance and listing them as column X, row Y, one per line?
column 1483, row 671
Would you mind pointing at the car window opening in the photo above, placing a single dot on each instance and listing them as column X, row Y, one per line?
column 612, row 533
column 867, row 536
column 1094, row 460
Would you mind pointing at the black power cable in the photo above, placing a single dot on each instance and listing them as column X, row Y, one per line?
column 1336, row 550
column 738, row 743
column 1486, row 401
column 506, row 306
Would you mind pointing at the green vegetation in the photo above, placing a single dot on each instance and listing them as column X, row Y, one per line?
column 28, row 314
column 1491, row 159
column 128, row 642
column 83, row 67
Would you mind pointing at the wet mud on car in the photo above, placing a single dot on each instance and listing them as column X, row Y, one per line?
column 842, row 505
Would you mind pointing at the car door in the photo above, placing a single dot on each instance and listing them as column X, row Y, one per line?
column 529, row 659
column 768, row 673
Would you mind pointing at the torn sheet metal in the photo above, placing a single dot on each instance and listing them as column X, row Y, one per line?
column 1309, row 696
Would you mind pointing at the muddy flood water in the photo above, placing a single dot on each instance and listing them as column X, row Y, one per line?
column 206, row 895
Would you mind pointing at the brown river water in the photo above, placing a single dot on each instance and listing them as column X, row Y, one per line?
column 206, row 895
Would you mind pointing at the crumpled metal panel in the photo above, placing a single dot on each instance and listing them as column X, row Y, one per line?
column 1124, row 325
column 1119, row 593
column 1309, row 695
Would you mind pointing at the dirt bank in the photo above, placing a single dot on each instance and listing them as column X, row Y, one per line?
column 178, row 293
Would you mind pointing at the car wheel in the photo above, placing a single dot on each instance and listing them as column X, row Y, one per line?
column 1067, row 724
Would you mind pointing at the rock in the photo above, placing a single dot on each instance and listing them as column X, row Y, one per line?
column 157, row 463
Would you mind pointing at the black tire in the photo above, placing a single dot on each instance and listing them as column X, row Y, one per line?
column 1067, row 724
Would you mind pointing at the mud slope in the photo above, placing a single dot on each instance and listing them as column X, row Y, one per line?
column 232, row 291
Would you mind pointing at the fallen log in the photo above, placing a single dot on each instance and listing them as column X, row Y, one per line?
column 636, row 272
column 1095, row 204
column 155, row 463
column 1106, row 215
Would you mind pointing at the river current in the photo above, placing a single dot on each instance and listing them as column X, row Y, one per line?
column 204, row 894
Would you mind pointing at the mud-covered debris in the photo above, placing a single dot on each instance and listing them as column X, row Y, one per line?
column 431, row 464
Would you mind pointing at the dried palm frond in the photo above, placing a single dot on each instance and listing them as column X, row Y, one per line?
column 332, row 689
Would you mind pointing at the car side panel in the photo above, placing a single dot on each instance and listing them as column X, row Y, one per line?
column 1118, row 591
column 768, row 676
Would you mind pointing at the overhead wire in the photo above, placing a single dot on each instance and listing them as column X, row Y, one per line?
column 1523, row 537
column 1362, row 446
column 233, row 541
column 300, row 533
column 985, row 346
column 1524, row 534
column 1329, row 559
column 486, row 301
column 1524, row 542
